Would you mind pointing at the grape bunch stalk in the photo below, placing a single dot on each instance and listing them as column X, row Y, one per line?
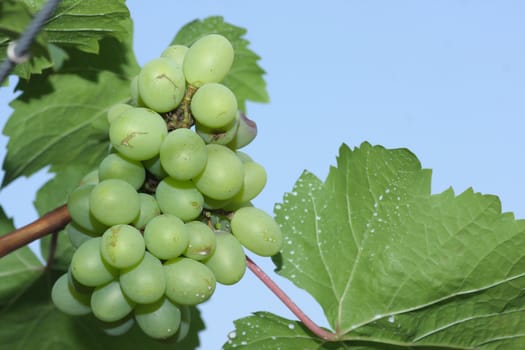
column 167, row 213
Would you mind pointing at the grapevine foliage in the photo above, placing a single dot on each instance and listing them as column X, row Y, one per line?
column 392, row 265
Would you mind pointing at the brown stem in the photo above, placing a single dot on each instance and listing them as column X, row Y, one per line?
column 311, row 325
column 51, row 222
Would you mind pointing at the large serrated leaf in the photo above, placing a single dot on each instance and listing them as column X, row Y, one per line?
column 390, row 262
column 78, row 24
column 60, row 118
column 245, row 78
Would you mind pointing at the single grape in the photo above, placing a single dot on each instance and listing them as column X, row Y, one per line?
column 257, row 231
column 179, row 198
column 175, row 53
column 221, row 136
column 76, row 285
column 88, row 267
column 116, row 110
column 211, row 204
column 201, row 240
column 67, row 299
column 228, row 262
column 116, row 166
column 214, row 106
column 154, row 167
column 161, row 84
column 166, row 236
column 208, row 60
column 79, row 209
column 253, row 183
column 122, row 246
column 109, row 303
column 159, row 320
column 149, row 209
column 138, row 133
column 78, row 235
column 246, row 132
column 114, row 202
column 119, row 327
column 223, row 175
column 183, row 154
column 144, row 282
column 89, row 178
column 188, row 282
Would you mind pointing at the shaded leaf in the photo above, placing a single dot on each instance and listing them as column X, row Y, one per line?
column 17, row 269
column 78, row 24
column 65, row 113
column 245, row 78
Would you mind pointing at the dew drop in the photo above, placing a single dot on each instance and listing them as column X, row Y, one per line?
column 291, row 326
column 391, row 319
column 232, row 335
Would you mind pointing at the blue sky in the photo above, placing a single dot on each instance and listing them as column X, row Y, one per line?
column 445, row 79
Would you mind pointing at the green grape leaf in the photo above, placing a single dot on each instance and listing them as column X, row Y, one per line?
column 18, row 269
column 266, row 331
column 32, row 322
column 391, row 263
column 79, row 24
column 60, row 118
column 245, row 78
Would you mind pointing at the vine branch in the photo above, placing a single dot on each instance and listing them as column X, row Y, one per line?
column 51, row 222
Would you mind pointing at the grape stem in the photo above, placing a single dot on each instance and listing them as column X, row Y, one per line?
column 57, row 219
column 307, row 321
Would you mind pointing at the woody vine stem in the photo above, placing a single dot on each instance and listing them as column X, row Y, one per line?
column 54, row 221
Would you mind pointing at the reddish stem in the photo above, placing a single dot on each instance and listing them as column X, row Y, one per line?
column 51, row 222
column 311, row 325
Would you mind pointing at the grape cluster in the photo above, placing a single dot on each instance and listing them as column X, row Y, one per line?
column 167, row 213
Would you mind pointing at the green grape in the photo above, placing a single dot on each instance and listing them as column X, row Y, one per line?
column 244, row 157
column 253, row 183
column 166, row 236
column 257, row 231
column 154, row 167
column 223, row 175
column 185, row 323
column 179, row 198
column 183, row 154
column 144, row 282
column 138, row 133
column 116, row 166
column 79, row 209
column 88, row 267
column 214, row 106
column 89, row 178
column 212, row 204
column 76, row 285
column 234, row 206
column 148, row 210
column 159, row 320
column 122, row 246
column 114, row 202
column 221, row 136
column 116, row 110
column 208, row 60
column 78, row 235
column 109, row 303
column 245, row 134
column 161, row 84
column 188, row 282
column 67, row 299
column 175, row 53
column 201, row 240
column 119, row 327
column 228, row 262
